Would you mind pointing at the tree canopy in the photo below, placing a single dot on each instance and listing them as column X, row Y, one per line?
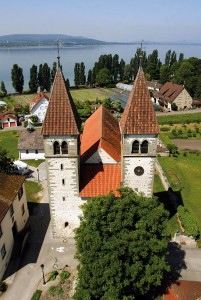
column 6, row 163
column 121, row 246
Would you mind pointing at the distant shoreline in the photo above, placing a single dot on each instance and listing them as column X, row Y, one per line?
column 24, row 46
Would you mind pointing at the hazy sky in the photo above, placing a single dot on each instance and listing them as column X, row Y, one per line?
column 108, row 20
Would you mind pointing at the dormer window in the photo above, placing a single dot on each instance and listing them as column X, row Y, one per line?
column 144, row 147
column 56, row 148
column 64, row 148
column 135, row 147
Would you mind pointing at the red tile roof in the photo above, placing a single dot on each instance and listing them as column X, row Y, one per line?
column 9, row 187
column 99, row 179
column 61, row 117
column 37, row 99
column 139, row 116
column 184, row 290
column 101, row 130
column 170, row 91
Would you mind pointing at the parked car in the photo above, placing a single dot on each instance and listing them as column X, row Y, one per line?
column 21, row 167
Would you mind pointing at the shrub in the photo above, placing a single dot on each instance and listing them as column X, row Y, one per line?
column 172, row 148
column 174, row 132
column 36, row 295
column 60, row 291
column 52, row 290
column 165, row 128
column 53, row 275
column 189, row 222
column 64, row 275
column 180, row 131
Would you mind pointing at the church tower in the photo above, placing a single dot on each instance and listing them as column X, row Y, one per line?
column 61, row 144
column 139, row 134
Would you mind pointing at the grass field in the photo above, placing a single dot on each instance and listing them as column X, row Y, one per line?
column 162, row 196
column 179, row 118
column 184, row 175
column 77, row 95
column 9, row 142
column 89, row 94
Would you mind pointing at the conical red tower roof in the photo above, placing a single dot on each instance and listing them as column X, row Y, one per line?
column 62, row 117
column 139, row 115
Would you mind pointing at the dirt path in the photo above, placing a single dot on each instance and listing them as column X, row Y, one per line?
column 188, row 144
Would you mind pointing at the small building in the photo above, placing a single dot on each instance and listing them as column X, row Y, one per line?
column 153, row 85
column 174, row 93
column 38, row 106
column 30, row 145
column 9, row 119
column 13, row 215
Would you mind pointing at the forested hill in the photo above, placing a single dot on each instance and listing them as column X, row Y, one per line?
column 17, row 40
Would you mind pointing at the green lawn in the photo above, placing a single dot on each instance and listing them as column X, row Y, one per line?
column 9, row 142
column 184, row 175
column 33, row 162
column 32, row 190
column 179, row 118
column 162, row 196
column 89, row 94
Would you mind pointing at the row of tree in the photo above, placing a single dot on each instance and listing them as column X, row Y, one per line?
column 110, row 70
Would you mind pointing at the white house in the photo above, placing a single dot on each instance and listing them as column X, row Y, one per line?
column 38, row 106
column 30, row 145
column 13, row 215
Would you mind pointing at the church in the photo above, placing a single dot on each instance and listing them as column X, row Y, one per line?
column 108, row 154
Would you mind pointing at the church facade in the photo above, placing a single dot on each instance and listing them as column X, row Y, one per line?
column 105, row 156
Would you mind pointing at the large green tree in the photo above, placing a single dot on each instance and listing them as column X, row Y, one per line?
column 33, row 82
column 6, row 163
column 17, row 78
column 46, row 77
column 103, row 77
column 121, row 247
column 3, row 90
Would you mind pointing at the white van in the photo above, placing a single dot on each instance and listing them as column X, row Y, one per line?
column 21, row 167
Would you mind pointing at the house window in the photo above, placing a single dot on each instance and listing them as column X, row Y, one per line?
column 1, row 232
column 56, row 148
column 135, row 147
column 63, row 181
column 64, row 198
column 8, row 119
column 64, row 148
column 20, row 192
column 11, row 210
column 62, row 167
column 27, row 151
column 3, row 251
column 144, row 147
column 23, row 209
column 36, row 151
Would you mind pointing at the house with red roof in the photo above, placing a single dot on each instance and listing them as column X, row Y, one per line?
column 8, row 119
column 38, row 106
column 13, row 215
column 107, row 155
column 174, row 93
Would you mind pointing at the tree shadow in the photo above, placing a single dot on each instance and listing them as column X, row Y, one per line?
column 28, row 243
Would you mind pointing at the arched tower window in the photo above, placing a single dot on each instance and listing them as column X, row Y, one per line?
column 64, row 148
column 144, row 147
column 135, row 147
column 56, row 148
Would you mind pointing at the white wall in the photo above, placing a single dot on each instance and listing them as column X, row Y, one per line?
column 101, row 156
column 7, row 224
column 40, row 109
column 31, row 154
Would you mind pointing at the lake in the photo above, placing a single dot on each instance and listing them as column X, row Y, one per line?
column 26, row 57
